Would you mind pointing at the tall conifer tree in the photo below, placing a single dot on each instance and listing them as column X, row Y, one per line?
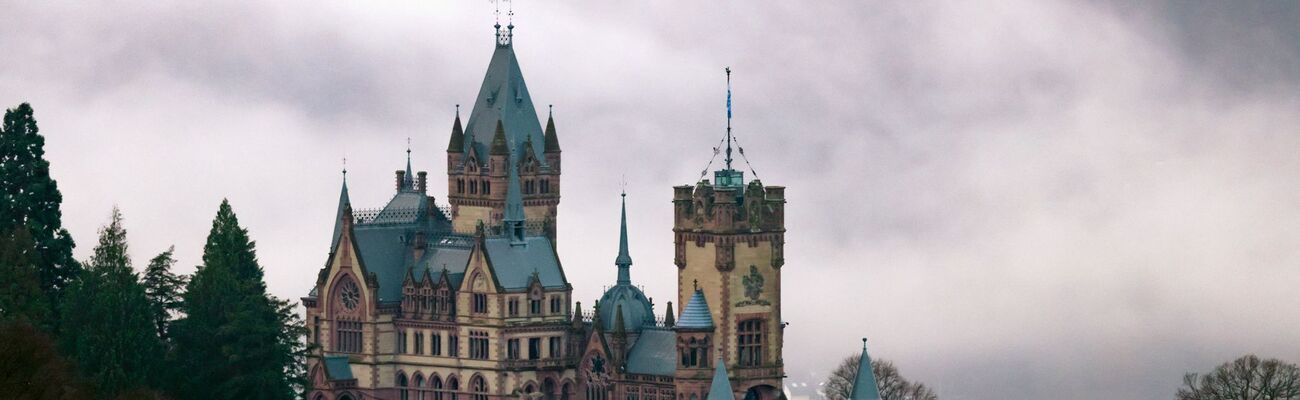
column 29, row 198
column 21, row 298
column 106, row 320
column 163, row 288
column 235, row 340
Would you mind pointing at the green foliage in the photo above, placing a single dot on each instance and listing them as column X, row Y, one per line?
column 31, row 367
column 29, row 198
column 106, row 320
column 236, row 341
column 163, row 289
column 891, row 384
column 20, row 290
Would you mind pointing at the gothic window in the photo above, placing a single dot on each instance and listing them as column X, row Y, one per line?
column 473, row 187
column 487, row 187
column 513, row 307
column 480, row 303
column 401, row 384
column 534, row 348
column 349, row 294
column 479, row 387
column 315, row 331
column 546, row 186
column 478, row 345
column 749, row 342
column 460, row 186
column 348, row 336
column 453, row 346
column 436, row 385
column 418, row 383
column 436, row 344
column 401, row 342
column 453, row 387
column 534, row 306
column 555, row 304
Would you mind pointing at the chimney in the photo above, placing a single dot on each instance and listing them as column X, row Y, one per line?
column 400, row 177
column 421, row 181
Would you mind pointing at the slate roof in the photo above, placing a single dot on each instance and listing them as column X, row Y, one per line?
column 720, row 389
column 696, row 315
column 864, row 384
column 337, row 369
column 504, row 97
column 344, row 202
column 515, row 264
column 654, row 353
column 637, row 311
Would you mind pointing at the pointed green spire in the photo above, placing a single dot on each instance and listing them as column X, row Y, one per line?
column 864, row 384
column 720, row 389
column 552, row 141
column 624, row 260
column 344, row 201
column 620, row 327
column 669, row 321
column 457, row 143
column 499, row 146
column 408, row 180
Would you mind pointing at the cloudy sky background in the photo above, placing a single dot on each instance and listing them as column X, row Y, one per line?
column 1027, row 199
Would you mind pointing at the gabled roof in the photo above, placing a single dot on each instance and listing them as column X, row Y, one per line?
column 720, row 389
column 696, row 315
column 503, row 97
column 864, row 384
column 654, row 353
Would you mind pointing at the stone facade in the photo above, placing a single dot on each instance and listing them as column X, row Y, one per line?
column 467, row 302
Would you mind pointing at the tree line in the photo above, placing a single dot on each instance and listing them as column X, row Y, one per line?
column 100, row 329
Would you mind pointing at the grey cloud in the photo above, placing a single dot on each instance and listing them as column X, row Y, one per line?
column 1021, row 200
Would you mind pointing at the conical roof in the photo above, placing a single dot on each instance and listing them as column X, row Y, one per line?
column 499, row 146
column 696, row 315
column 720, row 389
column 457, row 142
column 503, row 97
column 624, row 259
column 864, row 384
column 344, row 201
column 552, row 141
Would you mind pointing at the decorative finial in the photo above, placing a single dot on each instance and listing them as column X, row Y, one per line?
column 345, row 168
column 697, row 284
column 458, row 111
column 864, row 343
column 550, row 110
column 623, row 191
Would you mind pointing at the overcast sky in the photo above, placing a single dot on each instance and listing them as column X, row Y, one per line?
column 1018, row 200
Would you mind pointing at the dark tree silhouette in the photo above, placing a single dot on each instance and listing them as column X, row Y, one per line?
column 1246, row 378
column 892, row 385
column 31, row 367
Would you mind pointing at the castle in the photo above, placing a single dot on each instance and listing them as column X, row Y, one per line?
column 470, row 301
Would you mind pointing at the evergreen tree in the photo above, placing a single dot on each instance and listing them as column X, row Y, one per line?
column 235, row 340
column 32, row 368
column 29, row 198
column 106, row 318
column 21, row 298
column 163, row 288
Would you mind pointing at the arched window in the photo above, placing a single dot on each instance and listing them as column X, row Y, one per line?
column 548, row 389
column 479, row 387
column 436, row 385
column 402, row 392
column 453, row 388
column 749, row 342
column 566, row 391
column 419, row 387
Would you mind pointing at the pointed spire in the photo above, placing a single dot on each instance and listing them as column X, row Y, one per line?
column 552, row 141
column 457, row 143
column 499, row 145
column 514, row 218
column 344, row 203
column 408, row 180
column 720, row 389
column 577, row 313
column 669, row 322
column 624, row 260
column 864, row 384
column 728, row 69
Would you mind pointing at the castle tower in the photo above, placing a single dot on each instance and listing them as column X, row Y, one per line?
column 729, row 237
column 502, row 122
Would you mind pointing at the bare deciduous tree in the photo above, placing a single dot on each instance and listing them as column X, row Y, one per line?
column 892, row 385
column 1247, row 378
